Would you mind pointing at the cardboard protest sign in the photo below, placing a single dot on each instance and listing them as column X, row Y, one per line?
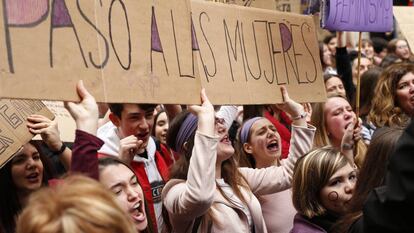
column 292, row 6
column 358, row 15
column 125, row 51
column 66, row 124
column 155, row 52
column 247, row 53
column 404, row 17
column 13, row 129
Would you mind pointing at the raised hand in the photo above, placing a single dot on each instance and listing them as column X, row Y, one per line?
column 85, row 112
column 348, row 141
column 205, row 114
column 308, row 109
column 358, row 130
column 294, row 109
column 47, row 129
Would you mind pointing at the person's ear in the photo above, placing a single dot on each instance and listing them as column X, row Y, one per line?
column 114, row 119
column 185, row 146
column 247, row 148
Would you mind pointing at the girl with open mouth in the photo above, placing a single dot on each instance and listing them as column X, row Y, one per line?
column 207, row 191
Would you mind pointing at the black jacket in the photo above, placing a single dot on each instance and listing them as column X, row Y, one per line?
column 390, row 208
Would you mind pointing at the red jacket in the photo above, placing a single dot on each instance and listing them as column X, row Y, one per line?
column 282, row 130
column 163, row 169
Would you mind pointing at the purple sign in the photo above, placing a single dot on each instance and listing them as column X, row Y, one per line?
column 357, row 15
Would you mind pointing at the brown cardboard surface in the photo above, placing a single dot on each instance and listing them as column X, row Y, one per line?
column 13, row 129
column 9, row 145
column 247, row 53
column 125, row 51
column 152, row 52
column 293, row 6
column 66, row 124
column 404, row 16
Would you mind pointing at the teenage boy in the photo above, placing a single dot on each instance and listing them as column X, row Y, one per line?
column 128, row 136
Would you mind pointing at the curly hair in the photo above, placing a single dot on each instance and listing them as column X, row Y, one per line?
column 385, row 110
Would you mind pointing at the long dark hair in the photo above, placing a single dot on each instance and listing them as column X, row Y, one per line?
column 369, row 80
column 109, row 161
column 155, row 122
column 372, row 173
column 10, row 206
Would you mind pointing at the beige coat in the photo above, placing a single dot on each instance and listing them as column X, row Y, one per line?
column 198, row 195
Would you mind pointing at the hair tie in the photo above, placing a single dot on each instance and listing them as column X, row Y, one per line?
column 244, row 132
column 188, row 127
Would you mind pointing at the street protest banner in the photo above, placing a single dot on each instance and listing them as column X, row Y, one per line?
column 152, row 52
column 247, row 53
column 66, row 124
column 404, row 17
column 13, row 130
column 357, row 15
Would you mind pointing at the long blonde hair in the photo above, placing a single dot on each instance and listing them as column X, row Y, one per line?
column 78, row 205
column 322, row 139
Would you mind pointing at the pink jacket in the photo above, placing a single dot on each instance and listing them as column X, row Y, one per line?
column 198, row 196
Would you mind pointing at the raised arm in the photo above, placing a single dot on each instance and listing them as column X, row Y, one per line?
column 49, row 131
column 343, row 66
column 85, row 113
column 192, row 198
column 278, row 178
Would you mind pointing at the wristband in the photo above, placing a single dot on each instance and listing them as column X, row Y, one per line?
column 300, row 116
column 347, row 146
column 60, row 151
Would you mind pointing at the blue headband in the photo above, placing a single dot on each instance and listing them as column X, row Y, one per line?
column 244, row 132
column 188, row 127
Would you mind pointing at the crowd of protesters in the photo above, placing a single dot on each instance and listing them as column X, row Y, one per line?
column 286, row 167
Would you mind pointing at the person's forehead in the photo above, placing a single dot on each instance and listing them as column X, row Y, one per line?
column 162, row 117
column 335, row 102
column 132, row 108
column 27, row 150
column 366, row 43
column 343, row 171
column 116, row 173
column 333, row 81
column 364, row 62
column 401, row 42
column 408, row 76
column 261, row 123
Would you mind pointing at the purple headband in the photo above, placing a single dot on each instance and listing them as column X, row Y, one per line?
column 187, row 128
column 244, row 132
